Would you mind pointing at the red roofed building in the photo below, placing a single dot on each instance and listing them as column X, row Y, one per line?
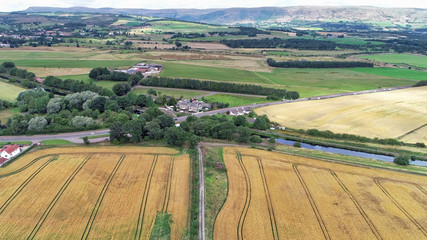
column 8, row 151
column 39, row 79
column 3, row 160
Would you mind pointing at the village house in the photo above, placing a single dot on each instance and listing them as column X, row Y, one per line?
column 192, row 106
column 7, row 152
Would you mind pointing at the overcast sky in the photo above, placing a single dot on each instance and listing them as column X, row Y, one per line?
column 17, row 5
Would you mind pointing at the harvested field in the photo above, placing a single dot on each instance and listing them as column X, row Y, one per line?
column 9, row 91
column 383, row 115
column 44, row 72
column 69, row 193
column 278, row 196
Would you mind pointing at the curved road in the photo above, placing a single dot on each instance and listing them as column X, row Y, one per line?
column 76, row 136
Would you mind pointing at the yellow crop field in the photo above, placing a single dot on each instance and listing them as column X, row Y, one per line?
column 390, row 114
column 94, row 193
column 278, row 196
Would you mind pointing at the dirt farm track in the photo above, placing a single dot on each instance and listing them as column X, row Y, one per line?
column 278, row 196
column 94, row 193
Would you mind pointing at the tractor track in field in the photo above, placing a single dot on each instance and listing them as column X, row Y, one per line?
column 168, row 186
column 56, row 198
column 26, row 182
column 272, row 215
column 358, row 206
column 312, row 202
column 138, row 232
column 98, row 203
column 401, row 208
column 245, row 209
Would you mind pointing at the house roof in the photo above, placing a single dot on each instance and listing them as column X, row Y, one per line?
column 3, row 160
column 9, row 148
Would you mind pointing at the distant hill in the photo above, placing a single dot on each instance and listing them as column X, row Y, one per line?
column 395, row 16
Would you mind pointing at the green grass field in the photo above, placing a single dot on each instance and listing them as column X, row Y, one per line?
column 235, row 100
column 56, row 142
column 85, row 78
column 211, row 73
column 405, row 59
column 9, row 91
column 393, row 73
column 177, row 93
column 70, row 63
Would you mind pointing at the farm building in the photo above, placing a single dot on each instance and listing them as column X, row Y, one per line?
column 7, row 152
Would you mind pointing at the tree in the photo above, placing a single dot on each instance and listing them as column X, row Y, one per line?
column 240, row 121
column 172, row 101
column 117, row 133
column 81, row 121
column 401, row 160
column 262, row 122
column 54, row 105
column 244, row 134
column 153, row 130
column 98, row 103
column 86, row 140
column 178, row 44
column 297, row 144
column 165, row 121
column 134, row 128
column 176, row 136
column 152, row 92
column 141, row 100
column 37, row 124
column 255, row 139
column 8, row 64
column 121, row 89
column 97, row 73
column 225, row 130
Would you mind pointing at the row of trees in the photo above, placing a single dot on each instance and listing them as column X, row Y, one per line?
column 318, row 64
column 216, row 86
column 254, row 43
column 75, row 86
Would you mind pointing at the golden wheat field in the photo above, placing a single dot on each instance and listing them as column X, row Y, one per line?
column 94, row 193
column 388, row 114
column 278, row 196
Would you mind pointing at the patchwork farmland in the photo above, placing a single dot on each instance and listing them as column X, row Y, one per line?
column 94, row 193
column 278, row 196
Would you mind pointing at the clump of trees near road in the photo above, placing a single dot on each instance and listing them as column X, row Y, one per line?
column 154, row 125
column 317, row 64
column 217, row 86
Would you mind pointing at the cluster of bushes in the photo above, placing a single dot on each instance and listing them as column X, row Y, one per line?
column 5, row 104
column 157, row 125
column 213, row 86
column 421, row 83
column 101, row 73
column 74, row 112
column 318, row 64
column 10, row 69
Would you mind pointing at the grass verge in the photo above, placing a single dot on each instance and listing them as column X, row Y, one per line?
column 56, row 142
column 162, row 226
column 216, row 187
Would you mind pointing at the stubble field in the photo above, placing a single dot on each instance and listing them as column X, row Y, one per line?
column 279, row 196
column 390, row 114
column 94, row 193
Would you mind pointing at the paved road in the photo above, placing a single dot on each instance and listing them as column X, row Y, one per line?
column 75, row 136
column 201, row 196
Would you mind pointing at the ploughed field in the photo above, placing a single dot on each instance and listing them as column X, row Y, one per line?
column 94, row 193
column 397, row 114
column 278, row 196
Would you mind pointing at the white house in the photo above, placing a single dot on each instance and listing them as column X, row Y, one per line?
column 8, row 151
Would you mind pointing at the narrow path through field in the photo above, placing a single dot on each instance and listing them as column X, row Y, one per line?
column 269, row 80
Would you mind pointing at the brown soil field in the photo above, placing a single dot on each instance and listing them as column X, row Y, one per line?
column 278, row 196
column 384, row 115
column 94, row 193
column 44, row 72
